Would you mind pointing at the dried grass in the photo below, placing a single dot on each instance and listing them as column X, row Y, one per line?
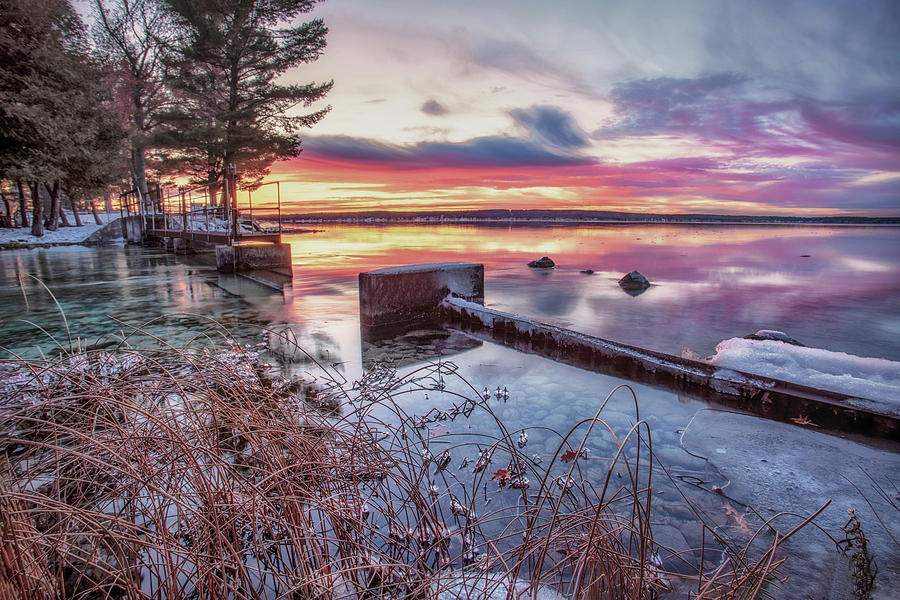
column 190, row 474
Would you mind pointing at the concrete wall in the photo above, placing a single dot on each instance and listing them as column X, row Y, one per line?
column 770, row 398
column 132, row 229
column 399, row 295
column 235, row 259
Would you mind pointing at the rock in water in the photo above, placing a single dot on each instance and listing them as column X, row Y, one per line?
column 543, row 262
column 771, row 334
column 634, row 281
column 588, row 271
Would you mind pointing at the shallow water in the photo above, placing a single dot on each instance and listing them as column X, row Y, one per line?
column 710, row 283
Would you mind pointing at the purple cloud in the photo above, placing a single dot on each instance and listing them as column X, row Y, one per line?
column 552, row 126
column 670, row 105
column 488, row 151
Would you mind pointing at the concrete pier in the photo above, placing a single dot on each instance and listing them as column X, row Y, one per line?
column 251, row 257
column 402, row 295
column 452, row 294
column 771, row 398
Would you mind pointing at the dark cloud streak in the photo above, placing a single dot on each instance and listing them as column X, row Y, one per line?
column 552, row 126
column 488, row 151
column 434, row 108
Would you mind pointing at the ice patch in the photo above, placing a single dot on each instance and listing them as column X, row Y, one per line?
column 475, row 585
column 876, row 379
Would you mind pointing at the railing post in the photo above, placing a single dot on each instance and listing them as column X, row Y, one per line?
column 231, row 186
column 184, row 215
column 278, row 185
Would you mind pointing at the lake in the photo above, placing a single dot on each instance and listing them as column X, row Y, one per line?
column 833, row 287
column 829, row 287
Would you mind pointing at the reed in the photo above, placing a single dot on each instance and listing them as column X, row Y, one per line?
column 186, row 473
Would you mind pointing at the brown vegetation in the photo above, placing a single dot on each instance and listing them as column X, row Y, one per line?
column 190, row 474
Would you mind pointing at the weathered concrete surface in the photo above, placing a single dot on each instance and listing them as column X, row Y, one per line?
column 413, row 293
column 109, row 232
column 768, row 397
column 213, row 237
column 235, row 259
column 132, row 229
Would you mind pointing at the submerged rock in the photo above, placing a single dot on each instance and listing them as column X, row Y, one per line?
column 588, row 271
column 771, row 334
column 634, row 281
column 543, row 262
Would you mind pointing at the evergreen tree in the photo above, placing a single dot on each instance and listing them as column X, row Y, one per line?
column 227, row 58
column 55, row 120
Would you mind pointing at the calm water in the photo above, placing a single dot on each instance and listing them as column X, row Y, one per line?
column 710, row 283
column 830, row 287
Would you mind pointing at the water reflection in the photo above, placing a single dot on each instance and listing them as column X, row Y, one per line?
column 833, row 287
column 400, row 347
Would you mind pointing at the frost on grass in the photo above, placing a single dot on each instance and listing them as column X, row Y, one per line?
column 196, row 473
column 875, row 379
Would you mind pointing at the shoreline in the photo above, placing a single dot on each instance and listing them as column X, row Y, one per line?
column 579, row 222
column 18, row 238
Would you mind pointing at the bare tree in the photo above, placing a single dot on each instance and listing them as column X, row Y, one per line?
column 132, row 34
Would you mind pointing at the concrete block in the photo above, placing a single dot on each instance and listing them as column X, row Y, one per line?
column 132, row 229
column 399, row 295
column 250, row 257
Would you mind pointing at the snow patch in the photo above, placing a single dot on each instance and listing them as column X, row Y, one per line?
column 875, row 379
column 63, row 235
column 446, row 266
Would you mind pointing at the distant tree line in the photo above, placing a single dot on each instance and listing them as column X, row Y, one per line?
column 155, row 88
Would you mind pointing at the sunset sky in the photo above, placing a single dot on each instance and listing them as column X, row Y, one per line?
column 710, row 106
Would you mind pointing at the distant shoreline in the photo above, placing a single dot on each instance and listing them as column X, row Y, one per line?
column 353, row 221
column 578, row 217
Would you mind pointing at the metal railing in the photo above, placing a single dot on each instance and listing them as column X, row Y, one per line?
column 196, row 210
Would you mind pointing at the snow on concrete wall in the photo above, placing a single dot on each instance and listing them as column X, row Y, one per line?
column 872, row 378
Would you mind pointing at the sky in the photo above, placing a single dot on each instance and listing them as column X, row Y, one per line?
column 762, row 107
column 782, row 107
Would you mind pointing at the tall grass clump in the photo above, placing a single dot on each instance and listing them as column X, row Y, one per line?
column 192, row 473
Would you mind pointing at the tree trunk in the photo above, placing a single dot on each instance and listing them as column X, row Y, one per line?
column 213, row 193
column 107, row 202
column 78, row 222
column 10, row 221
column 52, row 222
column 97, row 218
column 139, row 176
column 37, row 222
column 22, row 210
column 63, row 219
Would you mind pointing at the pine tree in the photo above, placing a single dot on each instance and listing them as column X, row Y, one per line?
column 226, row 60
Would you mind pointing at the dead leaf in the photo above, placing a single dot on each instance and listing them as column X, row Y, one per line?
column 738, row 520
column 501, row 476
column 802, row 420
column 569, row 456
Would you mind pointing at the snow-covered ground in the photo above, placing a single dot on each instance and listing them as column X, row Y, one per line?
column 874, row 379
column 64, row 235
